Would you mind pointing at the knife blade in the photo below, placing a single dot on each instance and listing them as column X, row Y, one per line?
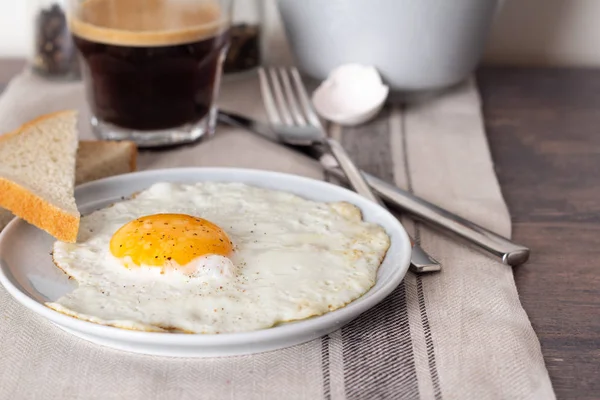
column 510, row 253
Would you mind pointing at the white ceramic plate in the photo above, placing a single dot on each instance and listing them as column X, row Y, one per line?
column 28, row 274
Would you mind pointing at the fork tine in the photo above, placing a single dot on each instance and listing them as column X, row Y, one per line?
column 304, row 99
column 284, row 110
column 267, row 95
column 291, row 98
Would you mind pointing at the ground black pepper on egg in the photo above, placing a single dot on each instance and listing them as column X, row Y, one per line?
column 55, row 53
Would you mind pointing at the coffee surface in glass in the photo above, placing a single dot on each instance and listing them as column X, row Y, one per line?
column 150, row 64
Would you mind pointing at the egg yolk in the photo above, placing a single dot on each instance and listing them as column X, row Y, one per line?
column 156, row 240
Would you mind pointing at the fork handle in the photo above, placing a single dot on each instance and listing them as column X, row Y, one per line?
column 355, row 177
column 420, row 261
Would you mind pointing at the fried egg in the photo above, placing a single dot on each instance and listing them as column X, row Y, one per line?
column 217, row 257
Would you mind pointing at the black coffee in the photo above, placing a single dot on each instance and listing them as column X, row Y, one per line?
column 155, row 78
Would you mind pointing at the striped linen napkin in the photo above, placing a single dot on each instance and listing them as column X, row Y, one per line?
column 461, row 334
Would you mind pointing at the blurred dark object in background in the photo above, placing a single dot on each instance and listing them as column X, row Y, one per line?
column 244, row 49
column 54, row 55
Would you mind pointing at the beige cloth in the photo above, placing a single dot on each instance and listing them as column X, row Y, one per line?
column 461, row 334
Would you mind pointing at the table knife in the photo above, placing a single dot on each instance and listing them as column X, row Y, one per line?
column 510, row 253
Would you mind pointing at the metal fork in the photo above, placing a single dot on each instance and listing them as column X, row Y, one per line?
column 291, row 114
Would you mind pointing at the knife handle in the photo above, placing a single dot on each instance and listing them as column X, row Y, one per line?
column 510, row 253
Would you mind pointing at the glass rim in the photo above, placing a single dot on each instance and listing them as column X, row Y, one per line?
column 187, row 33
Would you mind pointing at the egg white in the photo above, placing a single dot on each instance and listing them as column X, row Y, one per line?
column 293, row 258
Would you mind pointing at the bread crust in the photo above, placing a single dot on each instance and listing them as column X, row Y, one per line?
column 33, row 209
column 132, row 156
column 33, row 122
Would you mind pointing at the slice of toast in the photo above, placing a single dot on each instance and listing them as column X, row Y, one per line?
column 95, row 160
column 100, row 159
column 37, row 170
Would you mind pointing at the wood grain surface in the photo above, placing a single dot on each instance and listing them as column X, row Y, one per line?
column 544, row 132
column 543, row 127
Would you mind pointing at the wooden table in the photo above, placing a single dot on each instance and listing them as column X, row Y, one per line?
column 543, row 127
column 544, row 132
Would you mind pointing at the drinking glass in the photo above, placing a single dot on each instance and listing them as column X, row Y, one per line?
column 151, row 68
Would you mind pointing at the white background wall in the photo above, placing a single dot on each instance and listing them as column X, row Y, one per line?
column 14, row 27
column 547, row 32
column 527, row 32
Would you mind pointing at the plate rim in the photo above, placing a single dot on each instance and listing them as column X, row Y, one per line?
column 306, row 326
